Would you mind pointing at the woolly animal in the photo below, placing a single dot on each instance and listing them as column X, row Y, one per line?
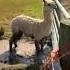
column 37, row 29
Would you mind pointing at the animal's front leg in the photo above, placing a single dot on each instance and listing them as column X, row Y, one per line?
column 42, row 43
column 37, row 46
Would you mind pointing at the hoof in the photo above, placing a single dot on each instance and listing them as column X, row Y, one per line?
column 37, row 52
column 15, row 47
column 42, row 50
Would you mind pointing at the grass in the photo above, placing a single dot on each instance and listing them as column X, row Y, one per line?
column 13, row 67
column 19, row 67
column 11, row 8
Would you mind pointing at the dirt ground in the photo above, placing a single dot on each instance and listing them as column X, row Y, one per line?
column 24, row 49
column 26, row 52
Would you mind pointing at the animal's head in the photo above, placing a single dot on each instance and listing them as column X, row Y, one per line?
column 48, row 2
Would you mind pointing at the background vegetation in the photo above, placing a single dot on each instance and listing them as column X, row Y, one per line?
column 11, row 8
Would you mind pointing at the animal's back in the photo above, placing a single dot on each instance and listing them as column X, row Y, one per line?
column 26, row 24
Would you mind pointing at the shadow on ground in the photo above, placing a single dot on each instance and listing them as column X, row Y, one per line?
column 14, row 58
column 31, row 62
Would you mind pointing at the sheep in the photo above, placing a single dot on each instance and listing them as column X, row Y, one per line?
column 37, row 29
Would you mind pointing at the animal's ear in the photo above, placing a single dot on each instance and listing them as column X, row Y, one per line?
column 48, row 1
column 44, row 1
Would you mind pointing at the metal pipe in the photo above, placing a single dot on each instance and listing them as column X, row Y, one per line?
column 56, row 18
column 62, row 9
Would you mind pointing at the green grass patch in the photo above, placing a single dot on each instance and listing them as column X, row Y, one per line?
column 11, row 8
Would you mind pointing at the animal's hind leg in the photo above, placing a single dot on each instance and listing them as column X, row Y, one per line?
column 12, row 41
column 10, row 44
column 17, row 36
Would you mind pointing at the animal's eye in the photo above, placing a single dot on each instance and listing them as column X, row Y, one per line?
column 49, row 5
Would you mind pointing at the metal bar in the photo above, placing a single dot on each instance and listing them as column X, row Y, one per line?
column 56, row 18
column 54, row 36
column 62, row 9
column 52, row 64
column 55, row 28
